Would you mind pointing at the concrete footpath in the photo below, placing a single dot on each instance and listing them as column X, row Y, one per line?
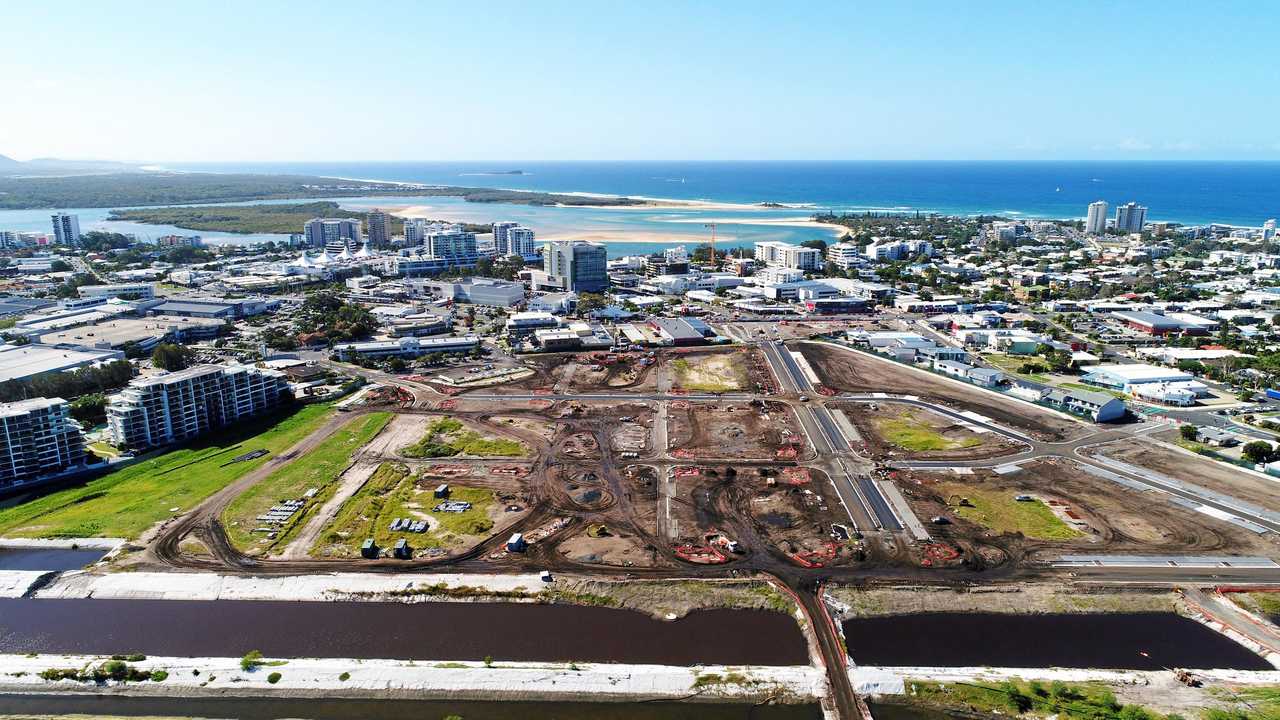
column 189, row 677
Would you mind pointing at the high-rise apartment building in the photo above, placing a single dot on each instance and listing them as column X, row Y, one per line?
column 38, row 438
column 780, row 254
column 66, row 229
column 521, row 241
column 177, row 406
column 379, row 228
column 501, row 239
column 333, row 233
column 574, row 265
column 1096, row 222
column 1268, row 231
column 1130, row 217
column 454, row 247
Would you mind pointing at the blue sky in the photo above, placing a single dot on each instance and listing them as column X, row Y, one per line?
column 233, row 80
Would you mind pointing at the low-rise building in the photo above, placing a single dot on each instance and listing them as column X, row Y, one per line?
column 145, row 291
column 408, row 347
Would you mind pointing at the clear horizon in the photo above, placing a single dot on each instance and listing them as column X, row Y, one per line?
column 750, row 82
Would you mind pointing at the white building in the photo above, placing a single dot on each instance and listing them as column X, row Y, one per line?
column 1130, row 217
column 780, row 254
column 845, row 255
column 1096, row 222
column 407, row 347
column 144, row 291
column 177, row 406
column 333, row 234
column 1268, row 230
column 66, row 229
column 454, row 247
column 501, row 240
column 521, row 241
column 38, row 438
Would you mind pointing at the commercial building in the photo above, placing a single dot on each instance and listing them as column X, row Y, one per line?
column 332, row 233
column 1125, row 377
column 179, row 241
column 573, row 265
column 38, row 439
column 178, row 406
column 1158, row 325
column 146, row 332
column 1096, row 221
column 66, row 229
column 489, row 292
column 1099, row 407
column 407, row 347
column 1130, row 217
column 780, row 254
column 20, row 362
column 145, row 291
column 379, row 228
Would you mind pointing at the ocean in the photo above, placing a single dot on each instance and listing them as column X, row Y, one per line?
column 1236, row 193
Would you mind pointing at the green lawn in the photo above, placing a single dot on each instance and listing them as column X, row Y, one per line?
column 996, row 509
column 318, row 469
column 126, row 502
column 1093, row 388
column 911, row 434
column 1029, row 699
column 102, row 450
column 393, row 493
column 447, row 437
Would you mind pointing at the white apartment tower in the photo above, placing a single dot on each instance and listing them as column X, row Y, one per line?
column 522, row 242
column 501, row 238
column 37, row 438
column 1096, row 222
column 333, row 233
column 1268, row 231
column 66, row 229
column 1130, row 217
column 177, row 406
column 780, row 254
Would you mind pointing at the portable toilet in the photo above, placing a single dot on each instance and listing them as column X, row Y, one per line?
column 442, row 490
column 516, row 543
column 369, row 549
column 402, row 550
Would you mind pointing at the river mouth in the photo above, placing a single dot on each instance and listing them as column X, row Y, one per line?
column 47, row 559
column 345, row 709
column 398, row 631
column 1111, row 641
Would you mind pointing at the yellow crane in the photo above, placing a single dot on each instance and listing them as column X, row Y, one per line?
column 715, row 261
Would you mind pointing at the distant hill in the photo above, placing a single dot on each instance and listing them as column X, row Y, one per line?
column 57, row 166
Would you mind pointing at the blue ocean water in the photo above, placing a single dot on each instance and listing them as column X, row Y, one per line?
column 1237, row 193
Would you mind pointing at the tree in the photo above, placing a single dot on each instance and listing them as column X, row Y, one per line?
column 59, row 266
column 1258, row 451
column 89, row 410
column 590, row 302
column 1189, row 432
column 168, row 356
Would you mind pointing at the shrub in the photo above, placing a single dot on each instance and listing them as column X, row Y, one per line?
column 344, row 676
column 274, row 678
column 159, row 675
column 251, row 661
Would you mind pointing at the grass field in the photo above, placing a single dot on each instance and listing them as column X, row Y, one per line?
column 393, row 493
column 713, row 373
column 318, row 469
column 996, row 509
column 911, row 434
column 102, row 450
column 1093, row 388
column 447, row 437
column 1029, row 699
column 126, row 502
column 1013, row 364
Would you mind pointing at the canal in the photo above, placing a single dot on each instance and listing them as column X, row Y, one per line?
column 1112, row 640
column 56, row 559
column 321, row 709
column 408, row 631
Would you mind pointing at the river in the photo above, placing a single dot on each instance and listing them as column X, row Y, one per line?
column 1112, row 640
column 406, row 631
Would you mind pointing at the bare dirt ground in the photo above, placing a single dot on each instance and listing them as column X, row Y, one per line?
column 871, row 424
column 732, row 429
column 567, row 373
column 853, row 372
column 741, row 369
column 1012, row 598
column 796, row 510
column 1113, row 518
column 603, row 544
column 1211, row 474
